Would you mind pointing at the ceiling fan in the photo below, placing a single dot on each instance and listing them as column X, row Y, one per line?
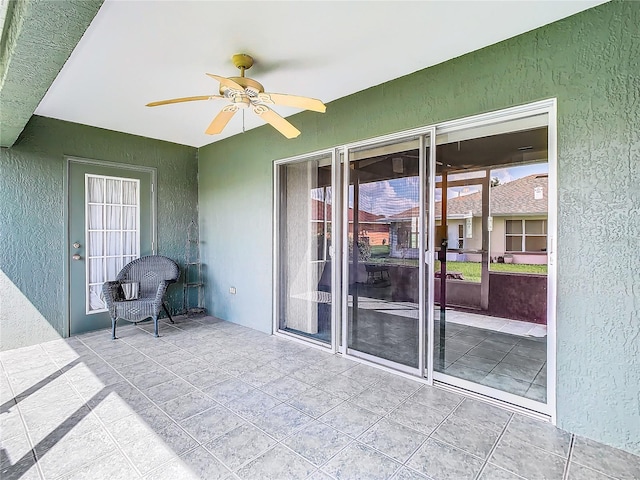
column 244, row 92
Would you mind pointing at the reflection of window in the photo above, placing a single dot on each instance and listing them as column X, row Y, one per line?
column 526, row 236
column 404, row 233
column 407, row 237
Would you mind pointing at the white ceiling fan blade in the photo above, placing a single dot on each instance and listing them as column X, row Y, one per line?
column 276, row 121
column 185, row 99
column 221, row 120
column 227, row 82
column 293, row 101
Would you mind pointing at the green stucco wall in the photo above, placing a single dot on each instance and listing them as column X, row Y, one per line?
column 32, row 202
column 589, row 62
column 37, row 38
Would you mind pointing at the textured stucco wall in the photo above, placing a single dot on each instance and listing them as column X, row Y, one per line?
column 32, row 229
column 590, row 63
column 37, row 39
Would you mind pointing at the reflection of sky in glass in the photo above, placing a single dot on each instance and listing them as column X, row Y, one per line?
column 504, row 175
column 321, row 194
column 390, row 197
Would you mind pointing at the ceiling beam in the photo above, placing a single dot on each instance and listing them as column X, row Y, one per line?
column 37, row 39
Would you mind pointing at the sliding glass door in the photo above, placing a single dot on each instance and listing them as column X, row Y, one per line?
column 429, row 252
column 304, row 247
column 383, row 223
column 491, row 284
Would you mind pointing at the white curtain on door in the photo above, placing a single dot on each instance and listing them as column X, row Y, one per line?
column 112, row 219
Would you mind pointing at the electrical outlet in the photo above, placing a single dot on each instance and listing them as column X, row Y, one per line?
column 232, row 290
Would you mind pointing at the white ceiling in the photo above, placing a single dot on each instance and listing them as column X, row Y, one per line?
column 137, row 52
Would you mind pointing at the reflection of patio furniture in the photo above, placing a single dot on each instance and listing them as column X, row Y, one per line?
column 377, row 274
column 451, row 275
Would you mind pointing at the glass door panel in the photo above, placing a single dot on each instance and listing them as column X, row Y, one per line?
column 490, row 265
column 304, row 248
column 382, row 222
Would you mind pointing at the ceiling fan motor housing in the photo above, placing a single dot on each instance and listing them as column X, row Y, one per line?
column 251, row 87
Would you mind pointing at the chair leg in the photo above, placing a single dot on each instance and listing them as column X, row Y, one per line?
column 113, row 328
column 166, row 310
column 155, row 326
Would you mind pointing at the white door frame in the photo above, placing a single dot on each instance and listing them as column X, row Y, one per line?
column 548, row 107
column 335, row 272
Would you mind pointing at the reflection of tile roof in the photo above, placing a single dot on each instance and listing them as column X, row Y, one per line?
column 511, row 198
column 363, row 217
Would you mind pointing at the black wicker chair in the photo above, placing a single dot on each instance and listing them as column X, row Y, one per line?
column 152, row 275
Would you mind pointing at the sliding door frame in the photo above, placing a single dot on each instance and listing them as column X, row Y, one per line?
column 548, row 107
column 334, row 251
column 340, row 261
column 418, row 134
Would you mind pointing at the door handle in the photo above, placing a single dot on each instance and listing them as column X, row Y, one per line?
column 77, row 256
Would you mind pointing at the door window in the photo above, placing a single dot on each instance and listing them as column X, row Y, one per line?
column 113, row 231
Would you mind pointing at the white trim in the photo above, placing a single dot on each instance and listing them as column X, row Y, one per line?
column 489, row 399
column 301, row 339
column 496, row 116
column 275, row 301
column 494, row 393
column 388, row 365
column 336, row 232
column 431, row 253
column 552, row 258
column 422, row 168
column 277, row 210
column 344, row 319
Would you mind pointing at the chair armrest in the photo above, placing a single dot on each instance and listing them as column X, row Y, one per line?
column 112, row 292
column 162, row 288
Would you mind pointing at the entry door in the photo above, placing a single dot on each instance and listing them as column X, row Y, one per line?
column 110, row 222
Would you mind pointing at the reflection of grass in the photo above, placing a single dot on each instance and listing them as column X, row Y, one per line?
column 471, row 271
column 518, row 268
column 380, row 250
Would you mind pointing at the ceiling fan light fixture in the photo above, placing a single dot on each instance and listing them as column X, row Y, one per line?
column 243, row 92
column 240, row 101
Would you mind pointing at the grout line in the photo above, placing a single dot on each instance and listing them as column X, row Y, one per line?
column 352, row 439
column 175, row 422
column 494, row 447
column 26, row 432
column 102, row 424
column 406, row 462
column 567, row 465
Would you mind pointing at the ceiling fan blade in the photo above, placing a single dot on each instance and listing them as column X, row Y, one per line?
column 227, row 82
column 293, row 101
column 221, row 120
column 184, row 99
column 276, row 121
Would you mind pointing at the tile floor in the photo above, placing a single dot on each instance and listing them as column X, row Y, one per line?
column 513, row 363
column 508, row 355
column 213, row 400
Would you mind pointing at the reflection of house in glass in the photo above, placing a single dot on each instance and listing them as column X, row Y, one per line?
column 518, row 226
column 372, row 228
